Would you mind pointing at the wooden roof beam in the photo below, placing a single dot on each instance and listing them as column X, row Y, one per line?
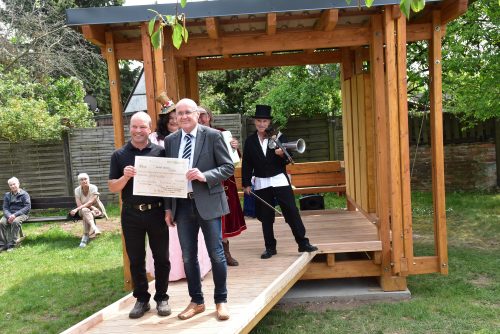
column 328, row 20
column 132, row 49
column 291, row 59
column 271, row 27
column 95, row 34
column 271, row 24
column 213, row 28
column 451, row 9
column 351, row 36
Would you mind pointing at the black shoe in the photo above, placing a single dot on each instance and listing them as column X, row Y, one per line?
column 268, row 253
column 139, row 309
column 308, row 248
column 3, row 248
column 163, row 308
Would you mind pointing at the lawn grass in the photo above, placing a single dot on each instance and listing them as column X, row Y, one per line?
column 49, row 284
column 465, row 301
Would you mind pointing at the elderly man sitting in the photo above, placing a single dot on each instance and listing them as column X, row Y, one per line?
column 16, row 207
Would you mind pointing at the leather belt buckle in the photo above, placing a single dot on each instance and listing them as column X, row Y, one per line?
column 144, row 207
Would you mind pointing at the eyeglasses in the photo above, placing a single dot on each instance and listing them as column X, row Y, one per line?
column 187, row 113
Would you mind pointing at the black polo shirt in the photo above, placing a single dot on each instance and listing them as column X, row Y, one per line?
column 124, row 157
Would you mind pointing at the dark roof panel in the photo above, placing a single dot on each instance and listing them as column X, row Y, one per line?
column 202, row 9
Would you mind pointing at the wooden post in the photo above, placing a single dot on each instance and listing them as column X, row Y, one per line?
column 391, row 90
column 181, row 77
column 404, row 141
column 171, row 72
column 117, row 113
column 159, row 78
column 382, row 150
column 147, row 58
column 436, row 121
column 194, row 89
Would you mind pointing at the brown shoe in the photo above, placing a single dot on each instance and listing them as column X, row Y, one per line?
column 222, row 311
column 231, row 261
column 191, row 310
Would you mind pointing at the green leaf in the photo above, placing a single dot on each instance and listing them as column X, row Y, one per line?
column 185, row 34
column 417, row 5
column 177, row 35
column 405, row 6
column 369, row 3
column 156, row 38
column 151, row 25
column 169, row 19
column 183, row 3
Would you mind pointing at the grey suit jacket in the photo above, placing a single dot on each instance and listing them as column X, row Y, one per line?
column 212, row 158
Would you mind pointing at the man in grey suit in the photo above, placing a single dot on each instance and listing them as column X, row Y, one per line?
column 204, row 205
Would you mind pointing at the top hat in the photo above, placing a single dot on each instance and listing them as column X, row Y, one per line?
column 263, row 111
column 167, row 104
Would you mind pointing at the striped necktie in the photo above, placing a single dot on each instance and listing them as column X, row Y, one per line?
column 187, row 149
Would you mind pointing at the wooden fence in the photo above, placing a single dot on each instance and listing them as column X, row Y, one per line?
column 51, row 169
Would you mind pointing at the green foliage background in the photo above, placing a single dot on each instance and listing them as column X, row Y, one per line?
column 40, row 111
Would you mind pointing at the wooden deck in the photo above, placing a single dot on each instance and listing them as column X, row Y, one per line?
column 254, row 287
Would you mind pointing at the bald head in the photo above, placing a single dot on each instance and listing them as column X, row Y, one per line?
column 187, row 114
column 140, row 128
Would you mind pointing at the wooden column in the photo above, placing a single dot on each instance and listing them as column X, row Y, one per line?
column 171, row 72
column 407, row 260
column 347, row 73
column 181, row 77
column 436, row 121
column 194, row 90
column 391, row 90
column 147, row 58
column 159, row 78
column 117, row 113
column 382, row 146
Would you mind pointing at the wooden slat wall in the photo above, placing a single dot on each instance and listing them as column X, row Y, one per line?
column 314, row 131
column 91, row 151
column 230, row 122
column 39, row 167
column 359, row 149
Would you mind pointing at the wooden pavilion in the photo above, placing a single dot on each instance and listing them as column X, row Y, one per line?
column 369, row 43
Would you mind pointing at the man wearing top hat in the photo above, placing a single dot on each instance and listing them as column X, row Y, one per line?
column 271, row 184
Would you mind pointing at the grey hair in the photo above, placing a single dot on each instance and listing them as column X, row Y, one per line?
column 13, row 179
column 143, row 116
column 83, row 176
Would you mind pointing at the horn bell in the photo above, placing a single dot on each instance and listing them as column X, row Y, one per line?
column 298, row 146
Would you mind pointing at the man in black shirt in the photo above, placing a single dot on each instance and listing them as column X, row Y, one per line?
column 141, row 215
column 271, row 184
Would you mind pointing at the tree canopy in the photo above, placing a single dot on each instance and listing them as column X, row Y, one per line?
column 40, row 110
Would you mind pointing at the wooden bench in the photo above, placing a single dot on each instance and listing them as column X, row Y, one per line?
column 311, row 177
column 44, row 203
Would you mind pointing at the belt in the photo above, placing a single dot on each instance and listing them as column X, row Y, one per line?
column 190, row 195
column 145, row 206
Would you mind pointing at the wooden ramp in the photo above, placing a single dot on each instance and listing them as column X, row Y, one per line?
column 254, row 287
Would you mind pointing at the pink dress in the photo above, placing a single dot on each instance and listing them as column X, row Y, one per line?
column 175, row 254
column 174, row 248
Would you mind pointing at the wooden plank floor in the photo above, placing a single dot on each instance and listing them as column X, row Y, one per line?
column 254, row 286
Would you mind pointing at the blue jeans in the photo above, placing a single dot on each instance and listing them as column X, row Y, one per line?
column 189, row 223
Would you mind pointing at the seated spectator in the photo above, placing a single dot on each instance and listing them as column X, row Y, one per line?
column 88, row 206
column 16, row 208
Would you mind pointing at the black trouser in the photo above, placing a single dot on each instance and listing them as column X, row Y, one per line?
column 286, row 200
column 135, row 225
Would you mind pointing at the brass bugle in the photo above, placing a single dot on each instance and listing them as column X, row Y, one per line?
column 298, row 146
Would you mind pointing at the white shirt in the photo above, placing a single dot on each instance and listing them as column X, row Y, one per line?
column 279, row 180
column 181, row 150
